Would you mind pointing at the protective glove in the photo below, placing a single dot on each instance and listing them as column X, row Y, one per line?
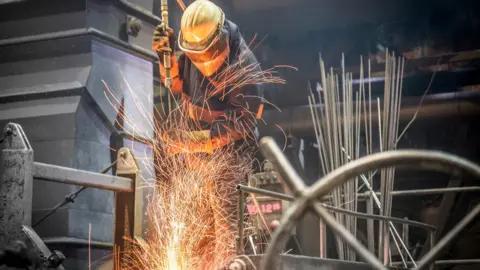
column 199, row 136
column 188, row 142
column 163, row 40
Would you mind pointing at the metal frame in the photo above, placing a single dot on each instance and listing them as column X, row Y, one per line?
column 64, row 175
column 18, row 167
column 289, row 198
column 306, row 197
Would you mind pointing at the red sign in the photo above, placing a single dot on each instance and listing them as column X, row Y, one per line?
column 267, row 207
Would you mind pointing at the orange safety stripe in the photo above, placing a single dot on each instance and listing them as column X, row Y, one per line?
column 259, row 112
column 199, row 113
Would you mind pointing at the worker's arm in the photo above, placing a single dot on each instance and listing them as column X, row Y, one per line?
column 240, row 122
column 245, row 100
column 164, row 41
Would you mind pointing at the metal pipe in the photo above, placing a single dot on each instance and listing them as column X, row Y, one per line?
column 285, row 197
column 448, row 238
column 166, row 54
column 446, row 262
column 417, row 192
column 405, row 236
column 76, row 242
column 433, row 191
column 298, row 120
column 70, row 197
column 48, row 172
column 241, row 208
column 456, row 262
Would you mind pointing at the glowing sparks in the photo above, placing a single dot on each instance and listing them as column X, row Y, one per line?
column 192, row 207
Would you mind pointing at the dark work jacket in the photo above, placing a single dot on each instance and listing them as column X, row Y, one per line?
column 232, row 110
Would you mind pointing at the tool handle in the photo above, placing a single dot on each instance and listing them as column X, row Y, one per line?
column 166, row 56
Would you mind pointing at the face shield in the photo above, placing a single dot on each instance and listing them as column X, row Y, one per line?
column 208, row 57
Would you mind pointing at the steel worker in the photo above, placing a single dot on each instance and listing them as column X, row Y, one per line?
column 225, row 111
column 212, row 49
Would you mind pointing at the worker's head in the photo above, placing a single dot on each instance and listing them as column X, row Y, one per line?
column 202, row 36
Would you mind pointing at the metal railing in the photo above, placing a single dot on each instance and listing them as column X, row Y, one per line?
column 18, row 171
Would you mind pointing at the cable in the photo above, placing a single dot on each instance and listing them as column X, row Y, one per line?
column 70, row 198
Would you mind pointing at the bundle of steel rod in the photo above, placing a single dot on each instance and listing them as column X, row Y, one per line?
column 340, row 115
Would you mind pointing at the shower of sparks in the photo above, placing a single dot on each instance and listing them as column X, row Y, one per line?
column 193, row 195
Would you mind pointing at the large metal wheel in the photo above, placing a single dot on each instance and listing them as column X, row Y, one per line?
column 306, row 197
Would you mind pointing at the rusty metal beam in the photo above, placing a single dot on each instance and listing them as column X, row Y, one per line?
column 59, row 174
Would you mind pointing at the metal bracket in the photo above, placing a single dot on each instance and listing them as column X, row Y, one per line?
column 133, row 25
column 14, row 138
column 128, row 206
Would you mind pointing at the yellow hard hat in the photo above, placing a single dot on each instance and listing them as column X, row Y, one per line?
column 202, row 36
column 200, row 25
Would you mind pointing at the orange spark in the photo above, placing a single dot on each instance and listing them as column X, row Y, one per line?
column 186, row 213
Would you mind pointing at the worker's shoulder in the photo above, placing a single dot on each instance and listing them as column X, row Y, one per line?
column 233, row 30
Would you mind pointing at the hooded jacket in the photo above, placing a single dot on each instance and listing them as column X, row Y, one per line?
column 229, row 102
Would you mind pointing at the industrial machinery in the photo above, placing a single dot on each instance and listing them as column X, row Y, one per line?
column 18, row 169
column 52, row 85
column 272, row 209
column 307, row 198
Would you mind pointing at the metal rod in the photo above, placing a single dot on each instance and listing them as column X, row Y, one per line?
column 417, row 192
column 166, row 54
column 48, row 172
column 432, row 245
column 241, row 208
column 285, row 197
column 447, row 262
column 405, row 235
column 260, row 213
column 323, row 241
column 370, row 226
column 433, row 191
column 347, row 237
column 296, row 120
column 76, row 242
column 396, row 236
column 448, row 238
column 456, row 262
column 70, row 198
column 414, row 192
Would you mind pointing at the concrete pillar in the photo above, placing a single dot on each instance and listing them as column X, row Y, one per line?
column 16, row 184
column 55, row 88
